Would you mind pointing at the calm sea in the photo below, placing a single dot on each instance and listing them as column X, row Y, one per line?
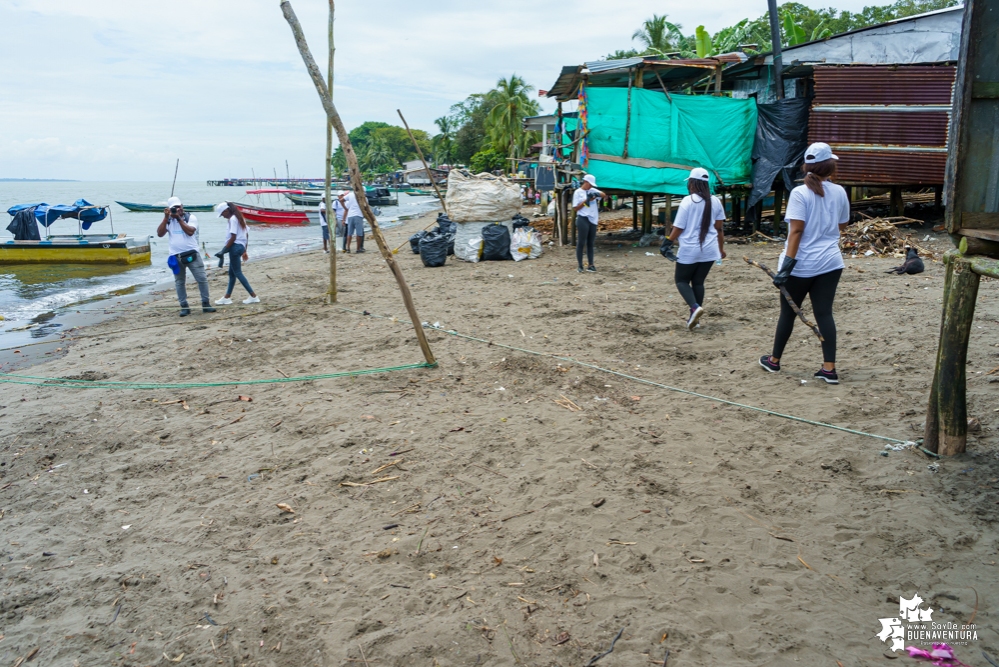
column 28, row 292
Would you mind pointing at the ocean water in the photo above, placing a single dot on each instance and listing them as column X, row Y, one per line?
column 30, row 293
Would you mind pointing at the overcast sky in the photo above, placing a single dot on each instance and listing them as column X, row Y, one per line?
column 117, row 90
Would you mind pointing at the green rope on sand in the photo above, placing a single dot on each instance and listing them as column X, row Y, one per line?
column 111, row 384
column 664, row 386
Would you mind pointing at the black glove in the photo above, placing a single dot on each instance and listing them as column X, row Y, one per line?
column 666, row 249
column 785, row 271
column 221, row 255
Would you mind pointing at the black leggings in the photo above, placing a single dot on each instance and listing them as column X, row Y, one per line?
column 586, row 235
column 821, row 289
column 690, row 281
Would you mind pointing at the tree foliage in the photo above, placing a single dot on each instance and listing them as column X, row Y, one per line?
column 510, row 103
column 488, row 159
column 382, row 148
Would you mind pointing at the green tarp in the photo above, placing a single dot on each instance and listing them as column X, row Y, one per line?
column 716, row 133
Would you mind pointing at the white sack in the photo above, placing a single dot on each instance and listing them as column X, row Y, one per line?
column 481, row 197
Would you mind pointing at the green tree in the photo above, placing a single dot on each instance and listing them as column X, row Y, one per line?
column 469, row 117
column 510, row 104
column 398, row 143
column 488, row 159
column 658, row 36
column 443, row 142
column 377, row 156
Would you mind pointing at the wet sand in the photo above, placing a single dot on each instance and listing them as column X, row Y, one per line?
column 531, row 507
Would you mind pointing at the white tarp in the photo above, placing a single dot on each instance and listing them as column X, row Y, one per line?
column 481, row 197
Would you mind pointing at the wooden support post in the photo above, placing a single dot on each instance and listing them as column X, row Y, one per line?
column 972, row 246
column 634, row 212
column 357, row 182
column 938, row 197
column 572, row 226
column 330, row 209
column 627, row 121
column 718, row 81
column 897, row 206
column 669, row 214
column 736, row 208
column 646, row 213
column 564, row 215
column 947, row 413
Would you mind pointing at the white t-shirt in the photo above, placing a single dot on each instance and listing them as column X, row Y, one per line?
column 688, row 218
column 235, row 228
column 591, row 210
column 179, row 240
column 353, row 208
column 818, row 251
column 337, row 212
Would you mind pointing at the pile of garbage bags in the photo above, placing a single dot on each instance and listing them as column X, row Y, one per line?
column 435, row 245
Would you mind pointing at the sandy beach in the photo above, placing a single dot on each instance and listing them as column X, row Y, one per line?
column 504, row 507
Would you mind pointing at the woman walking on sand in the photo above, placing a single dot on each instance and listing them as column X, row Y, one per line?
column 698, row 225
column 812, row 262
column 235, row 245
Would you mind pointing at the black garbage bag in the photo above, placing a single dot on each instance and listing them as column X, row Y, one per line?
column 414, row 241
column 448, row 229
column 519, row 222
column 23, row 226
column 433, row 249
column 496, row 243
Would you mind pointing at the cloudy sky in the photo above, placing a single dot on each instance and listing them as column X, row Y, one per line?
column 113, row 90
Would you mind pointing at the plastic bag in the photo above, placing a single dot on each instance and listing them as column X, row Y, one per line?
column 414, row 241
column 496, row 243
column 447, row 228
column 468, row 241
column 433, row 249
column 526, row 244
column 481, row 197
column 520, row 222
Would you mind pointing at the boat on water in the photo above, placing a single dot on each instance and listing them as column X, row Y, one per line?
column 145, row 208
column 28, row 246
column 377, row 196
column 277, row 216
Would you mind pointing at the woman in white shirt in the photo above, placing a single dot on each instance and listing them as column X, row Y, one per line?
column 812, row 263
column 698, row 225
column 235, row 245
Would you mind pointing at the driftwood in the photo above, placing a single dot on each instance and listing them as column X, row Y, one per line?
column 355, row 174
column 790, row 301
column 330, row 209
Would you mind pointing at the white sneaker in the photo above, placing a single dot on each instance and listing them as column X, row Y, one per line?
column 223, row 301
column 694, row 316
column 251, row 299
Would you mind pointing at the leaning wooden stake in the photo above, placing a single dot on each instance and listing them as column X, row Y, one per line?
column 330, row 209
column 790, row 301
column 429, row 175
column 355, row 173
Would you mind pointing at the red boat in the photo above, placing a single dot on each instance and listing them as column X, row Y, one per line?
column 277, row 216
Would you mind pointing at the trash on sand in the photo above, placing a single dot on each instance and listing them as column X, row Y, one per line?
column 284, row 507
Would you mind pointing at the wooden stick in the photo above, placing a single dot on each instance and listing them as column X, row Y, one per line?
column 488, row 470
column 330, row 209
column 787, row 297
column 175, row 169
column 423, row 160
column 355, row 175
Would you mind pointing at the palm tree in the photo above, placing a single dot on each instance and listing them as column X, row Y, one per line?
column 443, row 143
column 658, row 35
column 378, row 155
column 510, row 104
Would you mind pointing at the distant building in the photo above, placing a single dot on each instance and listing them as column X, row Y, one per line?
column 418, row 176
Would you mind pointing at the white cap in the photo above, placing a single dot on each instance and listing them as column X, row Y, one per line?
column 173, row 201
column 221, row 208
column 819, row 152
column 699, row 174
column 591, row 179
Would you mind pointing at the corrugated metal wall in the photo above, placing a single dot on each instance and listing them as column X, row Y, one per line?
column 887, row 123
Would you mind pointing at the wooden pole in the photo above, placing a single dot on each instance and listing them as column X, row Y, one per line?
column 718, row 80
column 634, row 212
column 947, row 413
column 627, row 122
column 646, row 212
column 175, row 169
column 355, row 174
column 424, row 161
column 330, row 209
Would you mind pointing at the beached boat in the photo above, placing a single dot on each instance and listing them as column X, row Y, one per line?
column 277, row 216
column 28, row 247
column 377, row 196
column 145, row 208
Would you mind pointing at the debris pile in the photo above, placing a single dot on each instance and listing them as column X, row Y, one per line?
column 882, row 237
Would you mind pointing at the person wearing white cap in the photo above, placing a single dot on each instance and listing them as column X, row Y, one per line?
column 586, row 203
column 339, row 213
column 699, row 227
column 184, row 253
column 812, row 263
column 237, row 242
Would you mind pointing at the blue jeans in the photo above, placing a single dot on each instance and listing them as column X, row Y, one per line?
column 236, row 251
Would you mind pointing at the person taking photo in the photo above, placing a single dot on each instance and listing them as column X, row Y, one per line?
column 184, row 253
column 586, row 203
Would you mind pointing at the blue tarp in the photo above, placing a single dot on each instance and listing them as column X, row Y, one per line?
column 81, row 210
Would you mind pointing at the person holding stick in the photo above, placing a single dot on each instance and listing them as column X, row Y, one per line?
column 236, row 245
column 699, row 227
column 812, row 263
column 586, row 203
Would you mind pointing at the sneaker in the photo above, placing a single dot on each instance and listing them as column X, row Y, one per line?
column 184, row 312
column 326, row 251
column 579, row 270
column 224, row 301
column 207, row 309
column 829, row 376
column 359, row 250
column 769, row 364
column 591, row 269
column 252, row 299
column 695, row 314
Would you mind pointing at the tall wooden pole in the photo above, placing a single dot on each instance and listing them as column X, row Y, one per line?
column 423, row 160
column 355, row 174
column 175, row 169
column 330, row 209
